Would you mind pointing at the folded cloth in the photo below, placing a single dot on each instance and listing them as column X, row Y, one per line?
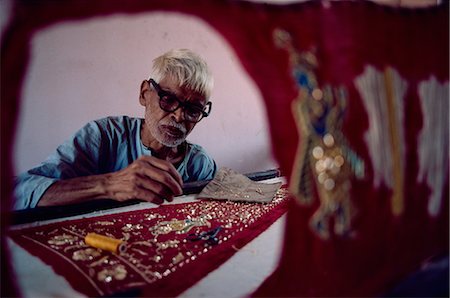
column 232, row 186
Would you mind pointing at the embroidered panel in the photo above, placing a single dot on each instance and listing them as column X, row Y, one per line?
column 324, row 160
column 161, row 245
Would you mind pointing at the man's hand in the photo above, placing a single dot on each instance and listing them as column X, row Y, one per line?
column 147, row 178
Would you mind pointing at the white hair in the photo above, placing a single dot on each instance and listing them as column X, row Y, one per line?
column 187, row 67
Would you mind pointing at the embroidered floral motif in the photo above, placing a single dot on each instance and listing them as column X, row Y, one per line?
column 85, row 254
column 115, row 273
column 324, row 161
column 178, row 226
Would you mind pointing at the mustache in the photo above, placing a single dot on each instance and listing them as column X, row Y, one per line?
column 176, row 125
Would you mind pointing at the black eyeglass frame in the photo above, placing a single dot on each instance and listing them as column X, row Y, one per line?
column 162, row 93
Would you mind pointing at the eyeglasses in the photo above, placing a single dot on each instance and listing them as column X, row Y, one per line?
column 168, row 102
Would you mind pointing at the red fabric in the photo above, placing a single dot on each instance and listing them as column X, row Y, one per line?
column 348, row 36
column 59, row 244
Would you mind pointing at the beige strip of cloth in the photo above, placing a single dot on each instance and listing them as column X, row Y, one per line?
column 232, row 186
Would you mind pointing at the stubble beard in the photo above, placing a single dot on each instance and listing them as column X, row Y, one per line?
column 167, row 140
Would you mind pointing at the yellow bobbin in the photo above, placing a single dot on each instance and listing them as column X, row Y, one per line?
column 105, row 243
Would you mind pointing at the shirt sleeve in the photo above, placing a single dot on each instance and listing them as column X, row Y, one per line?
column 78, row 156
column 204, row 168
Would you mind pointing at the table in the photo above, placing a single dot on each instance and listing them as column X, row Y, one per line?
column 238, row 276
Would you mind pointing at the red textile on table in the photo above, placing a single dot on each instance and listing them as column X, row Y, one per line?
column 349, row 38
column 160, row 260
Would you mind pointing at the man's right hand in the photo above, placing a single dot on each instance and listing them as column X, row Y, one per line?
column 147, row 178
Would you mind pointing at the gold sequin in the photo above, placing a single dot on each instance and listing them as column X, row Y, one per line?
column 338, row 161
column 178, row 258
column 317, row 94
column 317, row 152
column 328, row 140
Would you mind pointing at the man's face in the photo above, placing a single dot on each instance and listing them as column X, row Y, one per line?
column 168, row 128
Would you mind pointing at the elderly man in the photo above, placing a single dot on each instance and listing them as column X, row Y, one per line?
column 124, row 158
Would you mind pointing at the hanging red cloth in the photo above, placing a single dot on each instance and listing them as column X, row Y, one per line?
column 382, row 105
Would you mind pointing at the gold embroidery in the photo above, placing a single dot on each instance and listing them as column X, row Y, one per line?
column 323, row 159
column 382, row 93
column 397, row 166
column 108, row 275
column 62, row 239
column 167, row 244
column 152, row 252
column 130, row 227
column 104, row 260
column 105, row 223
column 178, row 258
column 85, row 254
column 178, row 226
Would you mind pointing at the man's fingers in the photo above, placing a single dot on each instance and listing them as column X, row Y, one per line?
column 157, row 200
column 154, row 173
column 157, row 188
column 164, row 166
column 154, row 194
column 148, row 179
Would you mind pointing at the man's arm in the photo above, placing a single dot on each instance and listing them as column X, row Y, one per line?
column 89, row 166
column 148, row 178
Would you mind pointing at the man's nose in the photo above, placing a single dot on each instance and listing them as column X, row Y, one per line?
column 178, row 115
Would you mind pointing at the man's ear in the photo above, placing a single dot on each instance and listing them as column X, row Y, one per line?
column 144, row 88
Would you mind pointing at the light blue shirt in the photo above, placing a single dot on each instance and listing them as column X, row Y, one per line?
column 102, row 146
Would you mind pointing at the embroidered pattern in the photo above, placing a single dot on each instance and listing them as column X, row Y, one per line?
column 159, row 242
column 433, row 140
column 324, row 160
column 383, row 94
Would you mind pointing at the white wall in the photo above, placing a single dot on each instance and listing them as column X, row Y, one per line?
column 82, row 71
